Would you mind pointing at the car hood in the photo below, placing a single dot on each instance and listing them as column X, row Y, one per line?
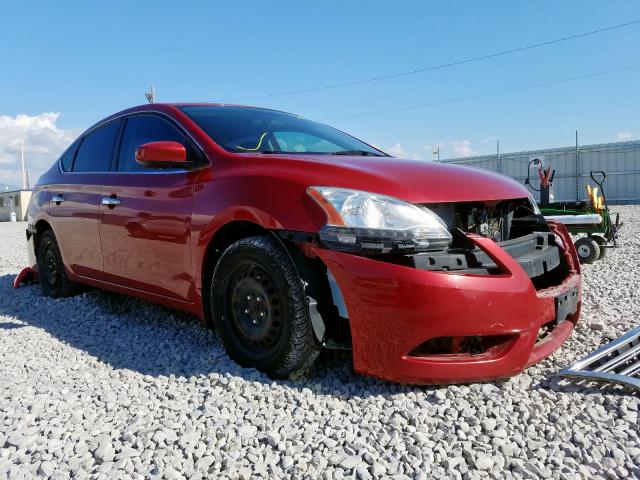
column 416, row 181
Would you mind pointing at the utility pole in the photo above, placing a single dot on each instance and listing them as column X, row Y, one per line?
column 23, row 166
column 577, row 170
column 498, row 164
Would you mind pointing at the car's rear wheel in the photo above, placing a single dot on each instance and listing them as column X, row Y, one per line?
column 260, row 308
column 53, row 277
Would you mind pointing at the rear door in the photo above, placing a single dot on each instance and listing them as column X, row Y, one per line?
column 146, row 230
column 75, row 203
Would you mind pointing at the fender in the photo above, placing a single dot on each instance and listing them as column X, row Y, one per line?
column 203, row 235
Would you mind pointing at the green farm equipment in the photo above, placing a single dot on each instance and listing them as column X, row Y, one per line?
column 590, row 221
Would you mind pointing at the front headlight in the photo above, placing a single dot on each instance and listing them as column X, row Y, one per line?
column 364, row 221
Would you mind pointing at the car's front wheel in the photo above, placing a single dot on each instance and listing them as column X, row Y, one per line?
column 52, row 274
column 260, row 308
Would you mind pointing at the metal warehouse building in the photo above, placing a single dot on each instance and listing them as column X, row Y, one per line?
column 620, row 161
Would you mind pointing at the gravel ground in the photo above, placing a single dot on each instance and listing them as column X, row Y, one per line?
column 104, row 386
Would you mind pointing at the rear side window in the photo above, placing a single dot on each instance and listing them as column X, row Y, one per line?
column 67, row 157
column 96, row 150
column 142, row 129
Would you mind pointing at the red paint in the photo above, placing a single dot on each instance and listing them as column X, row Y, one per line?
column 153, row 245
column 146, row 239
column 27, row 274
column 393, row 309
column 77, row 220
column 161, row 152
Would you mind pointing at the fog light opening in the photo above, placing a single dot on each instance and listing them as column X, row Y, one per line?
column 472, row 345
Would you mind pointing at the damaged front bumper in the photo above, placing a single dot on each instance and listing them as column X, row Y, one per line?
column 498, row 323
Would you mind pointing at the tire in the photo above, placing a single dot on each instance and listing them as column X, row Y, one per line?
column 259, row 308
column 52, row 273
column 588, row 250
column 601, row 241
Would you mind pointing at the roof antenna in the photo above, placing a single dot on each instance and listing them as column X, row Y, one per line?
column 151, row 95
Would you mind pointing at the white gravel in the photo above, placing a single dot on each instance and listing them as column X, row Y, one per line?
column 104, row 386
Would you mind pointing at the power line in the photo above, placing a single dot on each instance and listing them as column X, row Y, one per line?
column 437, row 67
column 510, row 122
column 482, row 95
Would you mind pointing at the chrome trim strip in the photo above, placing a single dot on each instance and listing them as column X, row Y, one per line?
column 622, row 350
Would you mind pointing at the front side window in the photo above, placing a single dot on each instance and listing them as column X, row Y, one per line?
column 246, row 130
column 96, row 150
column 141, row 129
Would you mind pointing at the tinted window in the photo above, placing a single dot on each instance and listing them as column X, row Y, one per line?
column 67, row 157
column 96, row 150
column 142, row 129
column 245, row 129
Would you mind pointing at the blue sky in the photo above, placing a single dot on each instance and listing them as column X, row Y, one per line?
column 84, row 60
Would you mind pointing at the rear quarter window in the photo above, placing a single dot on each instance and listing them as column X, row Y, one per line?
column 66, row 161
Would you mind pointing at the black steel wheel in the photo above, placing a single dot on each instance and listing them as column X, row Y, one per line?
column 260, row 308
column 588, row 249
column 52, row 274
column 602, row 242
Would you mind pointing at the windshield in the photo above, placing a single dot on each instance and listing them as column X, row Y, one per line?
column 246, row 129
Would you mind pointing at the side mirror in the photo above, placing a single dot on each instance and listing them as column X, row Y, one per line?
column 161, row 154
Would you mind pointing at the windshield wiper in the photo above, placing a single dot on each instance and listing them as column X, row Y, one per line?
column 363, row 153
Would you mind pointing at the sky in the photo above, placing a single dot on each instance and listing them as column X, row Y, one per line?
column 66, row 65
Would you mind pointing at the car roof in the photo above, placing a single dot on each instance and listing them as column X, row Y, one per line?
column 171, row 106
column 204, row 104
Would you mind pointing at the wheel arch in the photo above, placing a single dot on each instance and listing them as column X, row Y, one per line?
column 41, row 226
column 245, row 223
column 223, row 237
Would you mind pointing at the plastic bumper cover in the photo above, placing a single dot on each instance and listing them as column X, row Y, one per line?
column 393, row 309
column 30, row 273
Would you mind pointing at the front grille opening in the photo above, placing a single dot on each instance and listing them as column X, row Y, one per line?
column 553, row 277
column 499, row 220
column 512, row 224
column 472, row 345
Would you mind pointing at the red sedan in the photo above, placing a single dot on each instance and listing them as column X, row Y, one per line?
column 289, row 236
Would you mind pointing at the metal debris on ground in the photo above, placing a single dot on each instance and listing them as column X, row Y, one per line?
column 617, row 361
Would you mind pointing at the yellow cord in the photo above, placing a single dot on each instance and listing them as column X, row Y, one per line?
column 257, row 146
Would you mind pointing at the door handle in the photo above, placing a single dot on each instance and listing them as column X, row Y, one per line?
column 111, row 201
column 57, row 198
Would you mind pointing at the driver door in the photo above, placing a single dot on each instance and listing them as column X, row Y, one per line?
column 146, row 216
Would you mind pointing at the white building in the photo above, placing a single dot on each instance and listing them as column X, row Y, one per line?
column 14, row 201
